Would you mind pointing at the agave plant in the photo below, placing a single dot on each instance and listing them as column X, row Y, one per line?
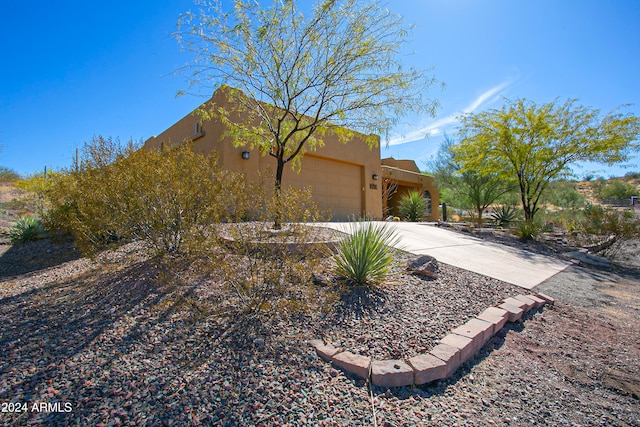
column 364, row 256
column 504, row 215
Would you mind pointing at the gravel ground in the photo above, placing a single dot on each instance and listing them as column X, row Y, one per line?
column 119, row 341
column 408, row 314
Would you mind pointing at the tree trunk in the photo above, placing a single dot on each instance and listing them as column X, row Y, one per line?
column 529, row 210
column 277, row 214
column 526, row 205
column 479, row 211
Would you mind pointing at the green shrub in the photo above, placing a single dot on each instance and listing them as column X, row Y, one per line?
column 503, row 216
column 616, row 190
column 364, row 256
column 565, row 219
column 412, row 206
column 593, row 217
column 27, row 229
column 614, row 224
column 563, row 194
column 527, row 230
column 166, row 198
column 36, row 186
column 632, row 175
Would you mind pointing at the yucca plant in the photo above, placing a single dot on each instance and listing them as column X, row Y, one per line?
column 527, row 230
column 412, row 206
column 364, row 256
column 27, row 229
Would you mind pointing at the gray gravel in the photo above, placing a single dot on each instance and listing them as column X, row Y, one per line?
column 122, row 344
column 408, row 314
column 578, row 286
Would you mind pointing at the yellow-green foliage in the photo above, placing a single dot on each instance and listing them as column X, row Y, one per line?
column 537, row 144
column 36, row 187
column 301, row 74
column 166, row 198
column 180, row 202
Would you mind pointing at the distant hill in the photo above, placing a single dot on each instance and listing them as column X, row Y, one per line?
column 593, row 189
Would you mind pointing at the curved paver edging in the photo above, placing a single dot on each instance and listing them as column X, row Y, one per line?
column 460, row 345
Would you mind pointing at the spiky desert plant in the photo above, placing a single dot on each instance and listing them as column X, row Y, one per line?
column 504, row 215
column 27, row 229
column 412, row 206
column 364, row 256
column 527, row 230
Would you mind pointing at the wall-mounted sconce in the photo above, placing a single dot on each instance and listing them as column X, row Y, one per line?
column 375, row 177
column 245, row 155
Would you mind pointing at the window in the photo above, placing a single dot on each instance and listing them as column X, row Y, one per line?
column 427, row 197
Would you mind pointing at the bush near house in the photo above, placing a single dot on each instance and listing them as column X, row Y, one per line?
column 166, row 198
column 184, row 207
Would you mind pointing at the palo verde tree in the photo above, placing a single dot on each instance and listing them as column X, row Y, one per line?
column 477, row 189
column 536, row 144
column 299, row 76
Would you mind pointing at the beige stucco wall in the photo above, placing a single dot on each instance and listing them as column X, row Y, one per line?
column 341, row 175
column 408, row 165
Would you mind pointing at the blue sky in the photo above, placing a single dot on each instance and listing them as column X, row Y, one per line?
column 75, row 69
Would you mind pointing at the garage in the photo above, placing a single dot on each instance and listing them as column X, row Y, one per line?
column 336, row 186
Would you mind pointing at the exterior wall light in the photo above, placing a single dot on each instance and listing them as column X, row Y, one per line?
column 375, row 177
column 245, row 155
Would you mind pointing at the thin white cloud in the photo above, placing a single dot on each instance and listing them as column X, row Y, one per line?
column 441, row 125
column 433, row 129
column 491, row 95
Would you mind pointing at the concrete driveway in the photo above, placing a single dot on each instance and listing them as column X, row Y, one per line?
column 511, row 265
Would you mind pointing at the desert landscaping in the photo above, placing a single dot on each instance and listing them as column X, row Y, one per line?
column 120, row 340
column 320, row 213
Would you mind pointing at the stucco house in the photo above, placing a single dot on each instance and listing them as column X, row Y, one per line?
column 349, row 180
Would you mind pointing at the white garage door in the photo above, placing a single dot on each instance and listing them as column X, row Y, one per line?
column 336, row 186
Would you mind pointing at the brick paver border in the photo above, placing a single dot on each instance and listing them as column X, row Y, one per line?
column 460, row 345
